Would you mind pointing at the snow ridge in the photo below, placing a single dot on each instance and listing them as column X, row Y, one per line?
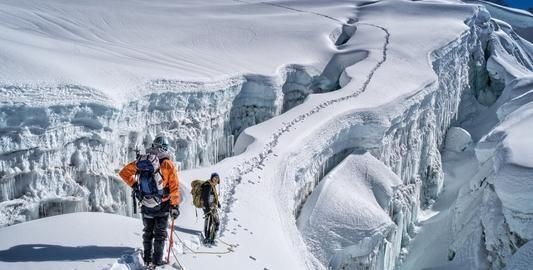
column 257, row 162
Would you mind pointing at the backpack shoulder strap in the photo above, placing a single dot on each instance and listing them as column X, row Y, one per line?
column 214, row 188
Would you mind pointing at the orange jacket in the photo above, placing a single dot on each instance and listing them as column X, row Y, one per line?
column 170, row 179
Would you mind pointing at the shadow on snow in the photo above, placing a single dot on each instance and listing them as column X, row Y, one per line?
column 41, row 253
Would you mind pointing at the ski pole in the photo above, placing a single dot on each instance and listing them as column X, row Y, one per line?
column 171, row 241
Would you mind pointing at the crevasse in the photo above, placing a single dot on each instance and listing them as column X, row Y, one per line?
column 407, row 141
column 61, row 158
column 492, row 216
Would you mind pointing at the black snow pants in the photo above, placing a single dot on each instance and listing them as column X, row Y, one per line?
column 155, row 234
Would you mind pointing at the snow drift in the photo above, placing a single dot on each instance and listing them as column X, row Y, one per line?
column 354, row 107
column 492, row 217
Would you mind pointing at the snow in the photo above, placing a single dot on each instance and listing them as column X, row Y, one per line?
column 514, row 168
column 429, row 248
column 498, row 196
column 117, row 48
column 281, row 99
column 517, row 141
column 521, row 20
column 347, row 214
column 73, row 241
column 521, row 260
column 457, row 139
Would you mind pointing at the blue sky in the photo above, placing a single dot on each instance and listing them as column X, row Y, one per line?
column 520, row 3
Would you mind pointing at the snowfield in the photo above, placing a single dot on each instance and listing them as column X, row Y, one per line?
column 73, row 241
column 387, row 134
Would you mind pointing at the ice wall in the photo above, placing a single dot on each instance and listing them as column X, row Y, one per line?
column 57, row 150
column 495, row 44
column 347, row 222
column 492, row 215
column 407, row 141
column 70, row 146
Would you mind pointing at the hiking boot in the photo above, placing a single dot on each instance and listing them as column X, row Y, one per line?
column 147, row 264
column 159, row 263
column 209, row 242
column 147, row 261
column 206, row 241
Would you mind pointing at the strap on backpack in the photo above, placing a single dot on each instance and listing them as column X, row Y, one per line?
column 215, row 191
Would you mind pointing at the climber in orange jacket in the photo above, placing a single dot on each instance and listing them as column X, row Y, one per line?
column 154, row 179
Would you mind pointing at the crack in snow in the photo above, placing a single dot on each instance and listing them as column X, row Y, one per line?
column 257, row 162
column 293, row 9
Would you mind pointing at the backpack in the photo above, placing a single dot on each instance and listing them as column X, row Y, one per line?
column 150, row 181
column 196, row 191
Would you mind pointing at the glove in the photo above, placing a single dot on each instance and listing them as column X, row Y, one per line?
column 175, row 211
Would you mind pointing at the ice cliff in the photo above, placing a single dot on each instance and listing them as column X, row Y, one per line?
column 61, row 154
column 492, row 215
column 366, row 130
column 473, row 72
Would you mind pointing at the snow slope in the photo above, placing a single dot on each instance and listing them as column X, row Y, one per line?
column 74, row 241
column 116, row 48
column 318, row 82
column 80, row 83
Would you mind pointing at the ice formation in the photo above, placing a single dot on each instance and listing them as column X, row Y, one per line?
column 483, row 78
column 65, row 133
column 346, row 219
column 457, row 139
column 492, row 215
column 60, row 150
column 364, row 123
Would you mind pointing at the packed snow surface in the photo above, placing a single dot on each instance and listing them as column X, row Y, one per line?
column 73, row 241
column 115, row 48
column 292, row 103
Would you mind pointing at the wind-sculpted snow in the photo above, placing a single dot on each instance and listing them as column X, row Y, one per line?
column 388, row 82
column 521, row 20
column 52, row 148
column 68, row 140
column 408, row 143
column 116, row 47
column 500, row 196
column 256, row 162
column 521, row 260
column 348, row 215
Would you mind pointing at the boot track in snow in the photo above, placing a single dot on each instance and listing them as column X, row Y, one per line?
column 257, row 162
